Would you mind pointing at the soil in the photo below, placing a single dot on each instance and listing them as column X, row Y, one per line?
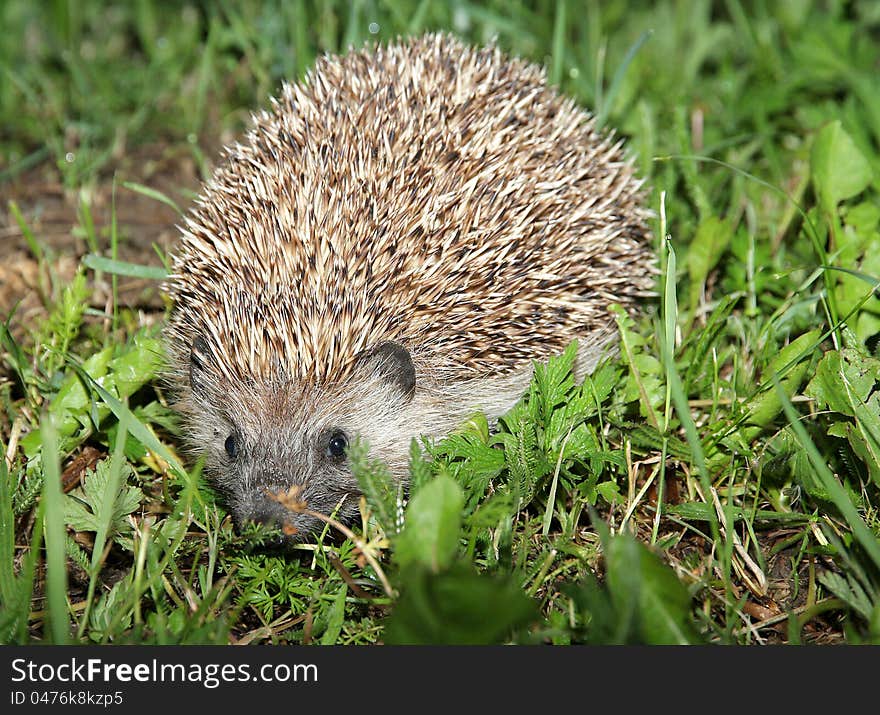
column 51, row 213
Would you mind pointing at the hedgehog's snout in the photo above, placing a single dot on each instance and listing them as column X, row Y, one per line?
column 269, row 513
column 270, row 509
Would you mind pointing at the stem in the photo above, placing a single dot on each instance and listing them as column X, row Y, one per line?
column 359, row 545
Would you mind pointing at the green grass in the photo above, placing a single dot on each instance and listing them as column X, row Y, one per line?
column 716, row 482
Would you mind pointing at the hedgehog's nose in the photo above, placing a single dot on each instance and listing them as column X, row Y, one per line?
column 268, row 515
column 272, row 515
column 274, row 537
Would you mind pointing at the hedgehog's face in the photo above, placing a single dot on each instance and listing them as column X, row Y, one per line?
column 282, row 458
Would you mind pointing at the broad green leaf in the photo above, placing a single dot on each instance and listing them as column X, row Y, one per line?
column 849, row 366
column 432, row 525
column 838, row 169
column 610, row 492
column 582, row 442
column 660, row 602
column 765, row 406
column 336, row 617
column 644, row 382
column 72, row 397
column 137, row 365
column 863, row 438
column 601, row 383
column 457, row 607
column 71, row 405
column 476, row 425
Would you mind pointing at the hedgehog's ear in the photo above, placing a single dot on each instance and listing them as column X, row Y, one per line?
column 198, row 357
column 392, row 362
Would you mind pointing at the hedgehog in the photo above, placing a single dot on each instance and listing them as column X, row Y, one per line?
column 388, row 251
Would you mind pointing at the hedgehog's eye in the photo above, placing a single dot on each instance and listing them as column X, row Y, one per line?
column 231, row 446
column 337, row 444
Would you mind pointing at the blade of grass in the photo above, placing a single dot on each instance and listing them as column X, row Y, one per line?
column 7, row 537
column 124, row 268
column 33, row 245
column 608, row 99
column 352, row 35
column 679, row 397
column 153, row 194
column 87, row 223
column 25, row 582
column 417, row 20
column 16, row 358
column 31, row 160
column 551, row 498
column 135, row 427
column 670, row 306
column 558, row 47
column 114, row 254
column 207, row 75
column 53, row 508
